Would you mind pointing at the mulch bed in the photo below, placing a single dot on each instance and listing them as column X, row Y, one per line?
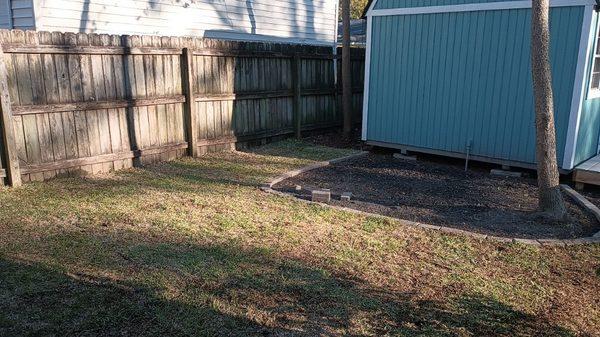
column 591, row 193
column 337, row 140
column 441, row 194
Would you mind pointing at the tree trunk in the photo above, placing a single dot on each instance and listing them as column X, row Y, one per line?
column 550, row 198
column 346, row 80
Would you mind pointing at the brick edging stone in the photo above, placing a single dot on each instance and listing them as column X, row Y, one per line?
column 268, row 188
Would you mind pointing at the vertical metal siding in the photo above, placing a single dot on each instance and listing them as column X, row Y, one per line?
column 440, row 80
column 387, row 4
column 589, row 127
column 589, row 124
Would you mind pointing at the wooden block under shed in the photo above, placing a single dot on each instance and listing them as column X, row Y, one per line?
column 404, row 157
column 503, row 173
column 321, row 196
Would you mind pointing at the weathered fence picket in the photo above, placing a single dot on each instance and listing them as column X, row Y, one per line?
column 89, row 103
column 7, row 137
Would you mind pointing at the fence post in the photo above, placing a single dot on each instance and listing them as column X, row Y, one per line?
column 132, row 121
column 336, row 87
column 6, row 124
column 296, row 79
column 187, row 81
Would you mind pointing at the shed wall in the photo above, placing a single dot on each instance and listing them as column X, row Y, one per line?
column 438, row 81
column 387, row 4
column 589, row 124
column 309, row 21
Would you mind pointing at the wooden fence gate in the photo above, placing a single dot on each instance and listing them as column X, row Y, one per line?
column 88, row 103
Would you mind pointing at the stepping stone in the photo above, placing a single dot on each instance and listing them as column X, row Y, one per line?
column 503, row 173
column 346, row 196
column 321, row 196
column 404, row 157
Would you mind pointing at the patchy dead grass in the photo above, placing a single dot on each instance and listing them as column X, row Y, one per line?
column 193, row 247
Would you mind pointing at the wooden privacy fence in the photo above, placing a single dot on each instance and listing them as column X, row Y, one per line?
column 89, row 103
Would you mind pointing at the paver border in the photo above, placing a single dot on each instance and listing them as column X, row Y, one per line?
column 268, row 188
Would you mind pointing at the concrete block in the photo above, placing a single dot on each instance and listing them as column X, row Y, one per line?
column 321, row 196
column 527, row 241
column 503, row 173
column 450, row 230
column 551, row 242
column 404, row 157
column 581, row 200
column 427, row 226
column 499, row 239
column 346, row 196
column 581, row 241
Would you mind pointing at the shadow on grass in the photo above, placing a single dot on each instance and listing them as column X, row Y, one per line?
column 443, row 195
column 130, row 281
column 195, row 176
column 297, row 149
column 192, row 290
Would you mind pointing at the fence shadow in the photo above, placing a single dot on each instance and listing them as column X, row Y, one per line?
column 94, row 103
column 185, row 289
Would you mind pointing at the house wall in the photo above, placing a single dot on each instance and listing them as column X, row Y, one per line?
column 438, row 81
column 5, row 14
column 21, row 12
column 309, row 21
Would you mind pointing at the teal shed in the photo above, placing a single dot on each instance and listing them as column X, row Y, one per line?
column 453, row 77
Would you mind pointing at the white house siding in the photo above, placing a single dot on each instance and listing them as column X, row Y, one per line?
column 307, row 21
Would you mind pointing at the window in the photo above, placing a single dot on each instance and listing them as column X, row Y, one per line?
column 595, row 77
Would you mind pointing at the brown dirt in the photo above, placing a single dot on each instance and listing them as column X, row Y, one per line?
column 444, row 195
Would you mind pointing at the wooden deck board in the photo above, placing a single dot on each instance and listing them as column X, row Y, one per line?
column 588, row 172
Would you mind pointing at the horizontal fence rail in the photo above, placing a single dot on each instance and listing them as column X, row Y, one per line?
column 88, row 103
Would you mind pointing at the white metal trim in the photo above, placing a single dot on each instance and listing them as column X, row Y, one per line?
column 488, row 6
column 373, row 4
column 579, row 88
column 365, row 114
column 591, row 92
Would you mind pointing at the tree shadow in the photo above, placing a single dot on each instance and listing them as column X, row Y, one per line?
column 197, row 176
column 181, row 289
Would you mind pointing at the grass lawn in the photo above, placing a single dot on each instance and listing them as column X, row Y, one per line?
column 194, row 248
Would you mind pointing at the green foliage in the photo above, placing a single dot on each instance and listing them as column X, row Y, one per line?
column 356, row 8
